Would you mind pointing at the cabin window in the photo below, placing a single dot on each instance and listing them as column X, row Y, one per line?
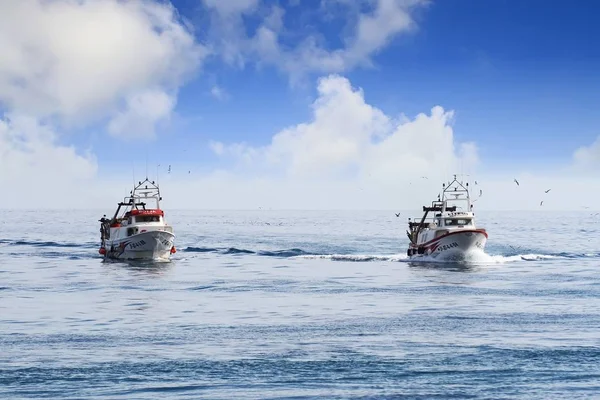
column 457, row 222
column 147, row 218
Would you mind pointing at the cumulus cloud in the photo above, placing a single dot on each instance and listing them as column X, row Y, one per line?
column 227, row 33
column 349, row 145
column 82, row 59
column 348, row 135
column 587, row 158
column 351, row 155
column 142, row 112
column 370, row 32
column 35, row 168
column 71, row 64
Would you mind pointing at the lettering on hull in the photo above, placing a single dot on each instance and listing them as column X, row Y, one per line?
column 137, row 244
column 447, row 246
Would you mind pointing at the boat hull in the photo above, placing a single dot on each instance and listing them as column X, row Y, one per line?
column 454, row 246
column 151, row 245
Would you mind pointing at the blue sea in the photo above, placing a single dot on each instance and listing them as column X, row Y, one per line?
column 300, row 304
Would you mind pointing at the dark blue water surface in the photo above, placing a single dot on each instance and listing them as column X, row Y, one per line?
column 273, row 304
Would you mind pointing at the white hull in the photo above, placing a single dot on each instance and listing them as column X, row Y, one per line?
column 455, row 246
column 152, row 245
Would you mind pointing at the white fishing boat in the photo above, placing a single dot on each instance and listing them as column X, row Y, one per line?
column 451, row 233
column 138, row 230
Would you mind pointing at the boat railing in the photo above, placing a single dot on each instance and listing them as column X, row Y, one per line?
column 425, row 224
column 438, row 208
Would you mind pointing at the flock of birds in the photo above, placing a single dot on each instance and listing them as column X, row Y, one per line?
column 518, row 184
column 481, row 194
column 424, row 177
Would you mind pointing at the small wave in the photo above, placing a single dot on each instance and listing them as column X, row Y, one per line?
column 228, row 250
column 46, row 244
column 233, row 250
column 284, row 253
column 200, row 250
column 481, row 258
column 355, row 257
column 476, row 258
column 473, row 258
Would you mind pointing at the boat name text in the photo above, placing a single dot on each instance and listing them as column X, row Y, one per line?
column 447, row 246
column 137, row 244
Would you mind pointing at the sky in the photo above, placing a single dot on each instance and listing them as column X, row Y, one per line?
column 287, row 104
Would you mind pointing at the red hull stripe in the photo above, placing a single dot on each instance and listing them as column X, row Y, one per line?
column 482, row 231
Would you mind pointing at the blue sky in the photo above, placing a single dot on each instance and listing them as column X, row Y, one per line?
column 521, row 76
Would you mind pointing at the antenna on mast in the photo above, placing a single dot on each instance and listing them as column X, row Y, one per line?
column 157, row 167
column 146, row 162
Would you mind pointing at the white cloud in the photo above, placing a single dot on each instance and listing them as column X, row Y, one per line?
column 351, row 155
column 350, row 145
column 218, row 93
column 35, row 169
column 75, row 63
column 348, row 136
column 81, row 59
column 142, row 112
column 375, row 30
column 587, row 158
column 217, row 148
column 370, row 32
column 227, row 30
column 231, row 7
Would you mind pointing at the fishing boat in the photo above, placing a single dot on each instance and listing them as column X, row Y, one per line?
column 138, row 230
column 450, row 233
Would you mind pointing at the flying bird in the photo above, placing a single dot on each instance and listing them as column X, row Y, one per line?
column 546, row 191
column 517, row 182
column 541, row 202
column 476, row 182
column 169, row 169
column 424, row 177
column 397, row 214
column 480, row 192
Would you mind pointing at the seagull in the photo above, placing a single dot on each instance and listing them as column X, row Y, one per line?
column 517, row 182
column 424, row 177
column 397, row 214
column 541, row 202
column 480, row 192
column 546, row 191
column 476, row 182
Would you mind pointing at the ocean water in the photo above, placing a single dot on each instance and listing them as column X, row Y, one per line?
column 273, row 304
